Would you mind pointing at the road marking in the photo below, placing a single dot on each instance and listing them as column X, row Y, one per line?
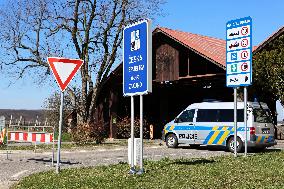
column 82, row 151
column 188, row 153
column 19, row 173
column 102, row 150
column 158, row 155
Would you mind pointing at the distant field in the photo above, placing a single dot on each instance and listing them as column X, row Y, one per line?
column 256, row 171
column 27, row 115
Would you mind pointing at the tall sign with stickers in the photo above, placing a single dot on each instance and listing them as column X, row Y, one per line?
column 239, row 63
column 137, row 74
column 239, row 52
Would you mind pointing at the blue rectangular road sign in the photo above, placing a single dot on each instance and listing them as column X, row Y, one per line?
column 137, row 59
column 239, row 52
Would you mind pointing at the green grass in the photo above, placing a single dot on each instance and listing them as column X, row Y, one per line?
column 70, row 146
column 256, row 171
column 67, row 146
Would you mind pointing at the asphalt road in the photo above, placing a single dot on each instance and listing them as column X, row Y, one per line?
column 23, row 163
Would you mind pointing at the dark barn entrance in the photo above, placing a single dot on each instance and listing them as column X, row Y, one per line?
column 187, row 68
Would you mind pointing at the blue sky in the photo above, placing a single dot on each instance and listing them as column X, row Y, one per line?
column 206, row 17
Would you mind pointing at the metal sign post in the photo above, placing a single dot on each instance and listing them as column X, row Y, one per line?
column 239, row 63
column 59, row 132
column 53, row 145
column 235, row 122
column 64, row 70
column 141, row 171
column 245, row 120
column 7, row 135
column 132, row 168
column 137, row 74
column 7, row 148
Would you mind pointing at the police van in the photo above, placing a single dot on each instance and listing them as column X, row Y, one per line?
column 212, row 123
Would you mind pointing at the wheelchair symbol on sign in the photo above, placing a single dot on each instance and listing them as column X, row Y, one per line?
column 234, row 56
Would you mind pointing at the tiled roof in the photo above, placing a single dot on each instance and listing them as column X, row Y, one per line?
column 209, row 47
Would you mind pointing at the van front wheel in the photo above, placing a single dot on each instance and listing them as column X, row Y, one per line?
column 172, row 141
column 231, row 145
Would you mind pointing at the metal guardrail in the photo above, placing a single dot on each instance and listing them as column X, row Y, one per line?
column 32, row 128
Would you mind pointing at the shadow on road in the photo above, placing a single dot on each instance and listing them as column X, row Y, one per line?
column 208, row 148
column 43, row 160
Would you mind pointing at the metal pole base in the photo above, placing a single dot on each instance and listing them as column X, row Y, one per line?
column 132, row 171
column 57, row 169
column 140, row 172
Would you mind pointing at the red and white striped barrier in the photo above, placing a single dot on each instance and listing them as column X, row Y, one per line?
column 2, row 135
column 20, row 136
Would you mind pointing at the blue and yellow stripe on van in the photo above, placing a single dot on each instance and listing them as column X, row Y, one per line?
column 168, row 129
column 264, row 139
column 218, row 135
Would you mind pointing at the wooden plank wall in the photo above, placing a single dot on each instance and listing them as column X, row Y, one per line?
column 167, row 63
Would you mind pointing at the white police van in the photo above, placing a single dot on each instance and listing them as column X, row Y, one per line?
column 212, row 123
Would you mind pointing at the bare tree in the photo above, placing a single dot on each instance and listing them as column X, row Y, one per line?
column 51, row 109
column 87, row 29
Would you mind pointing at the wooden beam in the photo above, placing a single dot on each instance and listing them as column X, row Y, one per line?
column 200, row 76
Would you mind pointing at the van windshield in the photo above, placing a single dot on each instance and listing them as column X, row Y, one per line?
column 187, row 116
column 262, row 115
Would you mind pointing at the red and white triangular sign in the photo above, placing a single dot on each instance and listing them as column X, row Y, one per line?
column 64, row 70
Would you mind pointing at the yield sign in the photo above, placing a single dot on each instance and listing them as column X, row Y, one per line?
column 64, row 70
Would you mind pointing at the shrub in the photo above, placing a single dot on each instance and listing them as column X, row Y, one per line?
column 124, row 128
column 92, row 132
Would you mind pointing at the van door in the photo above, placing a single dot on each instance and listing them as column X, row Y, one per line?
column 207, row 126
column 184, row 128
column 264, row 128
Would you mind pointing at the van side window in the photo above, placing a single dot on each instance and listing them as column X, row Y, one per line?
column 206, row 115
column 187, row 116
column 227, row 115
column 219, row 115
column 262, row 115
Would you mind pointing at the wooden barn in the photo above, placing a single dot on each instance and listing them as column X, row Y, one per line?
column 187, row 68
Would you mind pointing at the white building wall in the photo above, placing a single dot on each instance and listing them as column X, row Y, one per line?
column 280, row 111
